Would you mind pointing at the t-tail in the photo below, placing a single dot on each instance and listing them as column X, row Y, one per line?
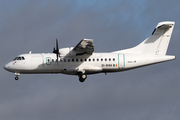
column 156, row 45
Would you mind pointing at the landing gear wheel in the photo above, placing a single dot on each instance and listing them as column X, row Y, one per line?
column 16, row 78
column 82, row 77
column 81, row 80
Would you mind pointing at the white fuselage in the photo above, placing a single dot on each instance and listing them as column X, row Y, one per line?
column 81, row 59
column 95, row 63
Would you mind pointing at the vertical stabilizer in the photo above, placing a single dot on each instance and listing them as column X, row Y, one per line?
column 157, row 43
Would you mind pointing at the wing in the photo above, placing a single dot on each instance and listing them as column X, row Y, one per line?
column 85, row 46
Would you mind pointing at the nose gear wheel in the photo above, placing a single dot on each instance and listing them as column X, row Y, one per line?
column 16, row 78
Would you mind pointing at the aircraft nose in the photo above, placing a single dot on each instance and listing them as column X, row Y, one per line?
column 6, row 67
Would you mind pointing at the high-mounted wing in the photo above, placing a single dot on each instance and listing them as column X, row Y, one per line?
column 85, row 46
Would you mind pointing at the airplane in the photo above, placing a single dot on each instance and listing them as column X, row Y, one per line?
column 81, row 60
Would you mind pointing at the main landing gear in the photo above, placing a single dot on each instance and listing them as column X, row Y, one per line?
column 17, row 76
column 81, row 74
column 82, row 77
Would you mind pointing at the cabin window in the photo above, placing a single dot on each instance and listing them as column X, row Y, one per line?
column 76, row 60
column 105, row 59
column 113, row 59
column 72, row 60
column 81, row 60
column 93, row 59
column 97, row 59
column 85, row 60
column 101, row 59
column 68, row 60
column 52, row 60
column 109, row 59
column 89, row 60
column 64, row 60
column 61, row 60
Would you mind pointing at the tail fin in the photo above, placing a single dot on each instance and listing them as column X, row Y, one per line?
column 157, row 43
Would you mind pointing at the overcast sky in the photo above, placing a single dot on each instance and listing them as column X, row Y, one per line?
column 148, row 93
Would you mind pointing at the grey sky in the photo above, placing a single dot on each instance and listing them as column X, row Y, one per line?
column 149, row 93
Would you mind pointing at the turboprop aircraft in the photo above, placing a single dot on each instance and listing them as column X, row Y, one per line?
column 82, row 61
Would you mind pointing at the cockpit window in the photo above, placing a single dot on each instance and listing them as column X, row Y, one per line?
column 15, row 58
column 19, row 58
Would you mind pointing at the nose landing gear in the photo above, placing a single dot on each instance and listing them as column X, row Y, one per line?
column 16, row 78
column 17, row 74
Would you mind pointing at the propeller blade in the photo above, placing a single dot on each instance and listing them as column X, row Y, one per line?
column 56, row 50
column 57, row 57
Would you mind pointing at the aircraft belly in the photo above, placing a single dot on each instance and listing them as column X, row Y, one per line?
column 86, row 69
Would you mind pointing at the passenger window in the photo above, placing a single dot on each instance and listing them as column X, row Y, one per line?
column 101, row 59
column 97, row 59
column 81, row 60
column 68, row 60
column 85, row 59
column 93, row 59
column 105, row 59
column 61, row 60
column 64, row 60
column 113, row 59
column 23, row 58
column 76, row 60
column 52, row 60
column 109, row 59
column 89, row 60
column 72, row 60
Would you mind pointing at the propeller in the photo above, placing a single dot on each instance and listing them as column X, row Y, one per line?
column 56, row 50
